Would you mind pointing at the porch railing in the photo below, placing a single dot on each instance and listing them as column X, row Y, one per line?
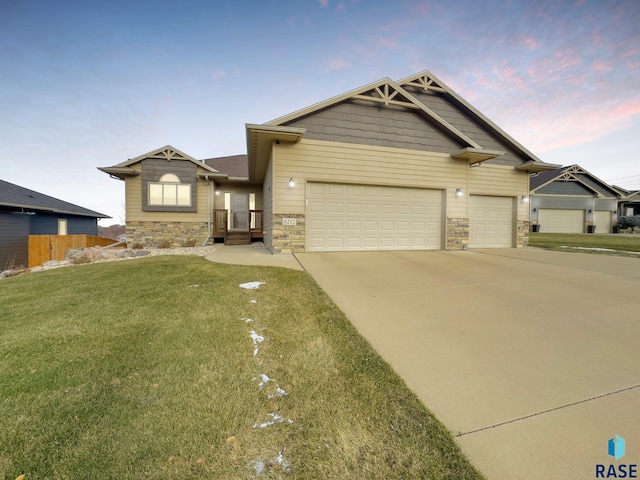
column 221, row 221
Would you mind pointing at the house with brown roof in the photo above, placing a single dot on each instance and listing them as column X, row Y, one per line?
column 392, row 165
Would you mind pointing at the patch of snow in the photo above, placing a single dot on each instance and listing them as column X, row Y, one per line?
column 251, row 285
column 247, row 320
column 596, row 249
column 275, row 418
column 279, row 393
column 259, row 466
column 254, row 301
column 257, row 339
column 263, row 380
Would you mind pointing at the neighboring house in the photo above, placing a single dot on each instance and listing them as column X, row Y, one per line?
column 388, row 166
column 629, row 204
column 24, row 212
column 572, row 200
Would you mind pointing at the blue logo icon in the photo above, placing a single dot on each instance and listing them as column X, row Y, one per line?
column 616, row 447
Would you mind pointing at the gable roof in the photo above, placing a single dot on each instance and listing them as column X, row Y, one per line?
column 384, row 91
column 573, row 173
column 388, row 92
column 123, row 169
column 16, row 197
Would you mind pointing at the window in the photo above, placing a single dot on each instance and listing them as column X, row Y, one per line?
column 169, row 191
column 62, row 226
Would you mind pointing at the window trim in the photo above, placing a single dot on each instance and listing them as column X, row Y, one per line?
column 169, row 190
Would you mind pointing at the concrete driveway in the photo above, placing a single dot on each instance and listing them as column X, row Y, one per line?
column 531, row 358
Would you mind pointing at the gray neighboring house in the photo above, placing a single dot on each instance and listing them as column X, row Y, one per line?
column 572, row 200
column 25, row 212
column 629, row 205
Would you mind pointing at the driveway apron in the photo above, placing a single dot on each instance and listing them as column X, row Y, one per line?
column 531, row 358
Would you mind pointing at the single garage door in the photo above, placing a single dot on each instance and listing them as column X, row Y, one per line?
column 366, row 217
column 561, row 221
column 602, row 221
column 490, row 221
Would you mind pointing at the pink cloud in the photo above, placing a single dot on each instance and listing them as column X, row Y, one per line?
column 335, row 63
column 601, row 66
column 324, row 3
column 387, row 42
column 218, row 74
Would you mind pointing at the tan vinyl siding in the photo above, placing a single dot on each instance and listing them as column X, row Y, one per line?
column 321, row 161
column 500, row 180
column 267, row 205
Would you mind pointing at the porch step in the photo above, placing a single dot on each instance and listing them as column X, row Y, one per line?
column 238, row 238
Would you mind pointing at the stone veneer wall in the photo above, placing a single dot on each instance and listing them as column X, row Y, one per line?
column 522, row 238
column 457, row 233
column 288, row 238
column 150, row 234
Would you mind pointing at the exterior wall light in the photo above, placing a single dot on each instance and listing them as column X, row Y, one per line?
column 524, row 199
column 459, row 193
column 292, row 182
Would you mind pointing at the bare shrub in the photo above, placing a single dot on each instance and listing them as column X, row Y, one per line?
column 164, row 244
column 189, row 243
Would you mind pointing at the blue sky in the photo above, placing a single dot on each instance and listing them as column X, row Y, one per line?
column 92, row 83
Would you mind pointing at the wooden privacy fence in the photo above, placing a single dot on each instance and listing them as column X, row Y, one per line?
column 43, row 248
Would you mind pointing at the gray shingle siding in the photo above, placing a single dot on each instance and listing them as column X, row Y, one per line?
column 366, row 123
column 560, row 187
column 153, row 169
column 468, row 125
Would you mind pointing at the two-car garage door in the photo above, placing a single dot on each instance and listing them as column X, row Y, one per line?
column 369, row 217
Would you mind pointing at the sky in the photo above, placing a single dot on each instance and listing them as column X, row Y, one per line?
column 92, row 83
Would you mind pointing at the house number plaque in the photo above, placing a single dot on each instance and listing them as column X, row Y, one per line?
column 289, row 221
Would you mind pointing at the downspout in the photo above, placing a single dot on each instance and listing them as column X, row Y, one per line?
column 208, row 211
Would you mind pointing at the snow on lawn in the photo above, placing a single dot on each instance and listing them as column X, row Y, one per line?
column 251, row 285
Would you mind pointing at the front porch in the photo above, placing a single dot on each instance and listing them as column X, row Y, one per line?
column 241, row 230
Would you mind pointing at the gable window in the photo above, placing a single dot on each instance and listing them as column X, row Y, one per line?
column 170, row 191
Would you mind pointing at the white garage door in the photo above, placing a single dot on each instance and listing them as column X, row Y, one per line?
column 490, row 221
column 362, row 217
column 602, row 221
column 561, row 221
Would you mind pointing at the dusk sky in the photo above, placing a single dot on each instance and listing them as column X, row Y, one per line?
column 88, row 84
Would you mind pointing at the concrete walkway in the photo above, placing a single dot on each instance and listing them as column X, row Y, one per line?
column 530, row 357
column 254, row 254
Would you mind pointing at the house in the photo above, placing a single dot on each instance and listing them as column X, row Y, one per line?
column 388, row 166
column 629, row 204
column 572, row 200
column 24, row 212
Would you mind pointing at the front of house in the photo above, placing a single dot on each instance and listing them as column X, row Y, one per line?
column 389, row 166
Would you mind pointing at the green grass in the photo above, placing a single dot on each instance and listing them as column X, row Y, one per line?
column 129, row 370
column 559, row 241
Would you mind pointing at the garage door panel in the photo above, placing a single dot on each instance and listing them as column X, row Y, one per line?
column 373, row 218
column 603, row 221
column 490, row 221
column 561, row 221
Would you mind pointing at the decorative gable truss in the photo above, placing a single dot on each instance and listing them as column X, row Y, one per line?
column 577, row 174
column 167, row 153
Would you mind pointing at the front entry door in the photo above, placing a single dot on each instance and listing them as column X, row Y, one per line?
column 240, row 212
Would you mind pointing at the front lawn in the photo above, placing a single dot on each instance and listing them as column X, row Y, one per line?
column 580, row 241
column 164, row 368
